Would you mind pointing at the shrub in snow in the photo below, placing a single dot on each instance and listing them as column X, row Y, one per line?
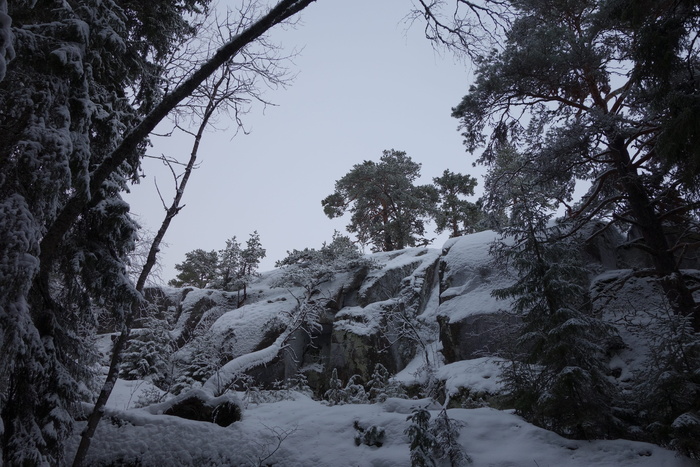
column 281, row 391
column 355, row 392
column 378, row 383
column 434, row 443
column 381, row 386
column 299, row 383
column 686, row 434
column 447, row 448
column 147, row 355
column 335, row 393
column 150, row 396
column 668, row 388
column 202, row 359
column 422, row 442
column 372, row 436
column 431, row 386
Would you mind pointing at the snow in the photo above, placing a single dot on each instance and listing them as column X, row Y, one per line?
column 130, row 394
column 471, row 276
column 469, row 250
column 311, row 433
column 240, row 364
column 302, row 432
column 635, row 305
column 361, row 321
column 480, row 375
column 417, row 258
column 249, row 322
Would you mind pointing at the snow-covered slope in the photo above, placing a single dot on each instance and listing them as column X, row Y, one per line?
column 302, row 432
column 417, row 307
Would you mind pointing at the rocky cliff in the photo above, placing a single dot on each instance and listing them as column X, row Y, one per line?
column 420, row 305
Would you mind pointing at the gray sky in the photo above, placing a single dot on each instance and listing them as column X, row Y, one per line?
column 365, row 82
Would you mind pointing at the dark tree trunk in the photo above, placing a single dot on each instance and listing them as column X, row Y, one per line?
column 649, row 223
column 283, row 10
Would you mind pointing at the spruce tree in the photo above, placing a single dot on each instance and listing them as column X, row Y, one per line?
column 422, row 442
column 558, row 378
column 81, row 76
column 81, row 87
column 448, row 449
column 335, row 393
column 378, row 383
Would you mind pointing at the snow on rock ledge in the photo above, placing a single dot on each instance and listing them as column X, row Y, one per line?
column 472, row 322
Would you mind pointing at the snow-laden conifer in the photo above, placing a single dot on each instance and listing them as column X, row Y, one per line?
column 558, row 376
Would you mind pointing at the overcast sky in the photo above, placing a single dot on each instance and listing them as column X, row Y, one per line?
column 365, row 82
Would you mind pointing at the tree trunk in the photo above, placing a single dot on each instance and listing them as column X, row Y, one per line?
column 677, row 292
column 93, row 421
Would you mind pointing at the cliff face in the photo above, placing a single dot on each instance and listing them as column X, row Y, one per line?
column 415, row 301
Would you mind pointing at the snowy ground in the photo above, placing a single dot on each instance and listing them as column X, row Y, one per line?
column 303, row 432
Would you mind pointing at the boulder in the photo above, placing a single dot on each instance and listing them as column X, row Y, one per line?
column 199, row 406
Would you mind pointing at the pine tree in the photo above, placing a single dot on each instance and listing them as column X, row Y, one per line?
column 250, row 259
column 229, row 263
column 388, row 210
column 616, row 113
column 453, row 213
column 235, row 267
column 198, row 270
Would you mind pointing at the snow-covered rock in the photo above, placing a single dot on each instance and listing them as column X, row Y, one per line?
column 472, row 322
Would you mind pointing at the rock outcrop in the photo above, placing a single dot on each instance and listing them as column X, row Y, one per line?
column 413, row 299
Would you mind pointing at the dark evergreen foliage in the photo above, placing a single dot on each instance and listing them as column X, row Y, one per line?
column 422, row 441
column 434, row 443
column 558, row 378
column 82, row 75
column 454, row 213
column 388, row 210
column 667, row 394
column 573, row 91
column 81, row 87
column 602, row 91
column 198, row 269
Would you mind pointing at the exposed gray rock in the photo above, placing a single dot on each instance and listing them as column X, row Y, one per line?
column 472, row 322
column 476, row 335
